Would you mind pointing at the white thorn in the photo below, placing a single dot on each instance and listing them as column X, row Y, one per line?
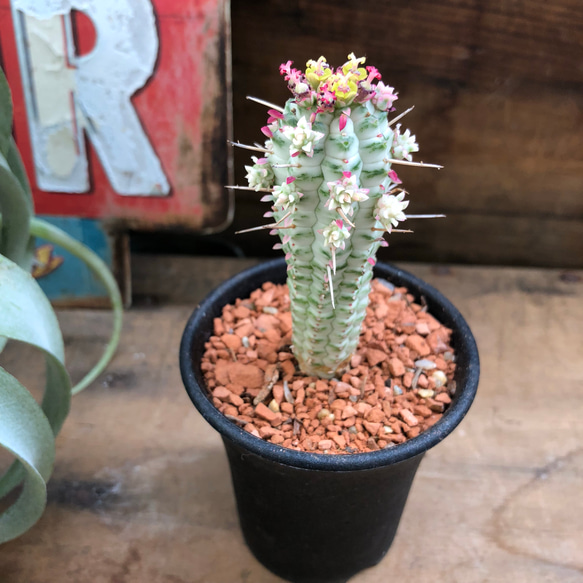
column 341, row 213
column 407, row 163
column 392, row 230
column 334, row 260
column 425, row 216
column 246, row 147
column 273, row 226
column 331, row 286
column 283, row 218
column 270, row 226
column 286, row 165
column 249, row 188
column 401, row 115
column 266, row 103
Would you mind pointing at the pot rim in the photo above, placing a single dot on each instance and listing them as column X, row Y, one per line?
column 466, row 376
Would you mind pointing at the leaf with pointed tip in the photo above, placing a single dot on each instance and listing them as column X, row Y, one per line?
column 25, row 432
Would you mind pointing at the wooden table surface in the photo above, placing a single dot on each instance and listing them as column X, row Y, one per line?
column 141, row 491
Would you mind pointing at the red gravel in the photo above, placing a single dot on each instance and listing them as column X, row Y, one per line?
column 383, row 399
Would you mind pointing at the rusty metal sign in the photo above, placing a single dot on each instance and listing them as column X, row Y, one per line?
column 122, row 108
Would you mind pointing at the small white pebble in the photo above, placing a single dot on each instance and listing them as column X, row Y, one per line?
column 274, row 406
column 323, row 413
column 245, row 341
column 387, row 429
column 269, row 310
column 425, row 364
column 425, row 393
column 439, row 377
column 448, row 355
column 386, row 283
column 397, row 390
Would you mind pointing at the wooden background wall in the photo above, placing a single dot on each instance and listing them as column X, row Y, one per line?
column 498, row 90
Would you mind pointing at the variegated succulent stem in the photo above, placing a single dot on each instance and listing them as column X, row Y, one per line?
column 333, row 192
column 325, row 337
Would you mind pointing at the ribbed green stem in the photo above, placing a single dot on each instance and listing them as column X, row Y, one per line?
column 332, row 144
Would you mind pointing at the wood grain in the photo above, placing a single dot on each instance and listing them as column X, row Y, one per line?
column 141, row 487
column 498, row 90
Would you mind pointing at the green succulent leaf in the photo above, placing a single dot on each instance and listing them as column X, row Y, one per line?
column 25, row 432
column 44, row 230
column 15, row 162
column 16, row 208
column 28, row 317
column 5, row 114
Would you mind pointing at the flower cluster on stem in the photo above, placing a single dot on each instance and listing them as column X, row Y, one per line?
column 332, row 89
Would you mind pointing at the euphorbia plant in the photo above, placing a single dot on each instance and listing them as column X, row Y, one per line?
column 327, row 169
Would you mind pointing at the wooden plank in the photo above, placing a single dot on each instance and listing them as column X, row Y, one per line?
column 497, row 95
column 141, row 488
column 465, row 41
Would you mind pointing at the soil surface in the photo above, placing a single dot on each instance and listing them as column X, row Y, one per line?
column 399, row 382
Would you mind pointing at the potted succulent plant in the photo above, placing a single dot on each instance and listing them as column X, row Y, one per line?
column 317, row 500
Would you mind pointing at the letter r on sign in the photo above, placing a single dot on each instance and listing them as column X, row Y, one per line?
column 68, row 94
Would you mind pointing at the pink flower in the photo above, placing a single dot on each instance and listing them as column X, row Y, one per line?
column 325, row 99
column 394, row 178
column 384, row 97
column 285, row 69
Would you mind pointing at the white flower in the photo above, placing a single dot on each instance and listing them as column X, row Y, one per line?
column 335, row 234
column 302, row 137
column 286, row 195
column 260, row 175
column 389, row 210
column 344, row 192
column 403, row 144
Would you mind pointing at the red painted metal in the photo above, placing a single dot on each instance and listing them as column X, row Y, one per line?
column 178, row 110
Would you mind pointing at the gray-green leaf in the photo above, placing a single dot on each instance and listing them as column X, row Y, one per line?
column 27, row 316
column 26, row 433
column 5, row 114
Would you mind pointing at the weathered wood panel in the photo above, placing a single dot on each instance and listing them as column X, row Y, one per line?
column 498, row 90
column 141, row 490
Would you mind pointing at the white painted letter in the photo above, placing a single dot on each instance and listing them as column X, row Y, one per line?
column 66, row 94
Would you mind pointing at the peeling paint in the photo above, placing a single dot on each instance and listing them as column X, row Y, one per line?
column 183, row 110
column 67, row 95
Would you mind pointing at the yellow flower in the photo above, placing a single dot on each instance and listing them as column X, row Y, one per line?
column 317, row 72
column 351, row 67
column 344, row 88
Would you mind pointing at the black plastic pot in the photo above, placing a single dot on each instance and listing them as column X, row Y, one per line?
column 317, row 518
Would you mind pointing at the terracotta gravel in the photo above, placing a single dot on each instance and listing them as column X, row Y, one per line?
column 398, row 384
